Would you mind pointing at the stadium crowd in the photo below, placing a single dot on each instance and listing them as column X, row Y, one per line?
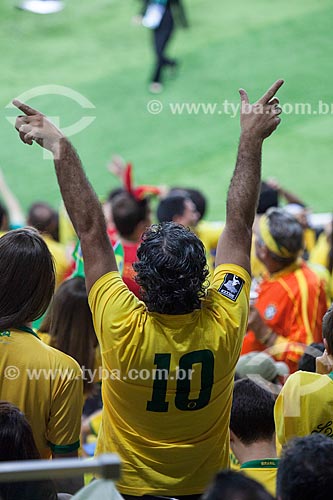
column 119, row 335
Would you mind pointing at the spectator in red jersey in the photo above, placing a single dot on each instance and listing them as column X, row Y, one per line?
column 130, row 217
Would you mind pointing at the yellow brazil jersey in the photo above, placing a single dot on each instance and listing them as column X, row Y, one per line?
column 263, row 471
column 46, row 385
column 209, row 233
column 167, row 397
column 61, row 261
column 304, row 406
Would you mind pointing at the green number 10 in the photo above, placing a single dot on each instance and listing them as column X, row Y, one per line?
column 186, row 362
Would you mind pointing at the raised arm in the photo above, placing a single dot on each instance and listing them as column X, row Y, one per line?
column 81, row 202
column 15, row 212
column 258, row 121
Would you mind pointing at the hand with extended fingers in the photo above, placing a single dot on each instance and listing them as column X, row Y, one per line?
column 34, row 126
column 261, row 118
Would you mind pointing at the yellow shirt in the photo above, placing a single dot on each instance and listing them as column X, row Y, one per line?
column 304, row 406
column 58, row 253
column 46, row 385
column 263, row 471
column 209, row 233
column 170, row 425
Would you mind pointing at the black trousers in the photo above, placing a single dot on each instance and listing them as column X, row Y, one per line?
column 162, row 36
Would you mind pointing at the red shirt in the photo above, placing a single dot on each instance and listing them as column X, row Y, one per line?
column 292, row 303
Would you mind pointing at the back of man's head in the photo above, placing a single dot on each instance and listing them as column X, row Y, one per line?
column 327, row 329
column 306, row 469
column 171, row 269
column 128, row 213
column 268, row 197
column 252, row 412
column 198, row 198
column 44, row 218
column 231, row 485
column 287, row 234
column 27, row 278
column 172, row 206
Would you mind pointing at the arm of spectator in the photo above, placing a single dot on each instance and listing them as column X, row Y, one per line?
column 82, row 204
column 258, row 121
column 287, row 195
column 263, row 333
column 117, row 167
column 15, row 212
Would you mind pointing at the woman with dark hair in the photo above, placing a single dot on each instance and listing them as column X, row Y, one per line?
column 70, row 329
column 42, row 382
column 17, row 443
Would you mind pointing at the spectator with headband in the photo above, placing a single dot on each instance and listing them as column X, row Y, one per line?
column 171, row 431
column 291, row 301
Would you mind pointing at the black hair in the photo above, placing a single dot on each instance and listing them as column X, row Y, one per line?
column 44, row 218
column 171, row 269
column 307, row 363
column 252, row 412
column 27, row 277
column 198, row 198
column 128, row 212
column 268, row 197
column 231, row 485
column 306, row 469
column 171, row 206
column 17, row 443
column 327, row 328
column 3, row 218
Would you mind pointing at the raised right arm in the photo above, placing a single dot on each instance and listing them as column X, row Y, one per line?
column 258, row 121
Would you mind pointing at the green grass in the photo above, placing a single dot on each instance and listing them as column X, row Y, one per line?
column 92, row 48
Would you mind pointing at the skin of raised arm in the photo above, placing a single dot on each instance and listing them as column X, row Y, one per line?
column 258, row 121
column 82, row 204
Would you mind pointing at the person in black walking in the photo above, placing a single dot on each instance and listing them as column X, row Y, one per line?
column 160, row 18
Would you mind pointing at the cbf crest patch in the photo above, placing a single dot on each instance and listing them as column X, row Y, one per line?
column 231, row 287
column 270, row 312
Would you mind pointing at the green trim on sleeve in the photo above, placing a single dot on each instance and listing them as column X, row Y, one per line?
column 64, row 448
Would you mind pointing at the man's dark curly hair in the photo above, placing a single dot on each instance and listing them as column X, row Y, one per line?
column 171, row 269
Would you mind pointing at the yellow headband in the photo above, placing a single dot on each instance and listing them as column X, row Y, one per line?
column 270, row 242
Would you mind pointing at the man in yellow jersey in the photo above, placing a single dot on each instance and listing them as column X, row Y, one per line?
column 171, row 359
column 252, row 432
column 42, row 382
column 305, row 403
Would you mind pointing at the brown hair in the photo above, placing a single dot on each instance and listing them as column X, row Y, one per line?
column 69, row 323
column 27, row 277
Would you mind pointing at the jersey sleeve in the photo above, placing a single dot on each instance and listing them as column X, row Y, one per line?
column 64, row 425
column 229, row 302
column 116, row 311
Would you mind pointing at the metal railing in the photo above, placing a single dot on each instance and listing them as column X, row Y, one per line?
column 107, row 466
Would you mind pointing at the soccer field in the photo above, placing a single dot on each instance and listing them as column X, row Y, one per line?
column 92, row 48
